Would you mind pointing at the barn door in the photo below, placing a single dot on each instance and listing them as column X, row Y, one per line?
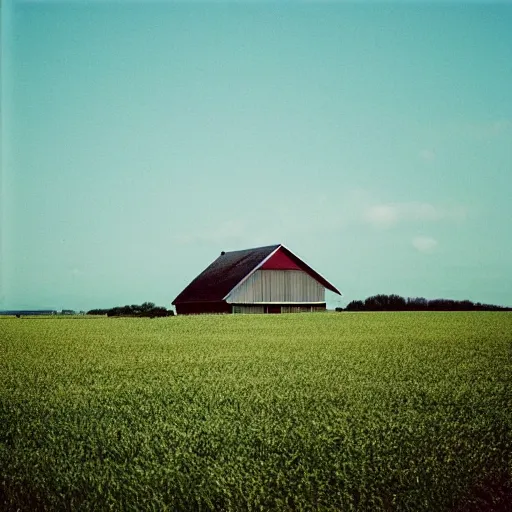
column 274, row 309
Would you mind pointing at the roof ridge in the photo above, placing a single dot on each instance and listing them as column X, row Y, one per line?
column 254, row 248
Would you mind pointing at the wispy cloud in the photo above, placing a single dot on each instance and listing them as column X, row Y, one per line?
column 484, row 130
column 382, row 215
column 286, row 222
column 390, row 214
column 424, row 244
column 427, row 155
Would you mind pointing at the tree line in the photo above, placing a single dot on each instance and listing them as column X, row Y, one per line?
column 147, row 309
column 394, row 302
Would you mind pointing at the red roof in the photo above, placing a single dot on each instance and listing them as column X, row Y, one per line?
column 279, row 260
column 217, row 281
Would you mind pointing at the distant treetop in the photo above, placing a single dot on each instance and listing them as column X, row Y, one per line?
column 394, row 302
column 147, row 309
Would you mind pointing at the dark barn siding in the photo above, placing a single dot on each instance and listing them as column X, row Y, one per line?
column 196, row 308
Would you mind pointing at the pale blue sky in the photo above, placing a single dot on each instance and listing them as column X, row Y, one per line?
column 141, row 139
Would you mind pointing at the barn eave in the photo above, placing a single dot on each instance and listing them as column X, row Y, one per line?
column 314, row 274
column 268, row 302
column 260, row 264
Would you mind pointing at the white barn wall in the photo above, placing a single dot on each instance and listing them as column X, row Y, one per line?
column 249, row 309
column 278, row 286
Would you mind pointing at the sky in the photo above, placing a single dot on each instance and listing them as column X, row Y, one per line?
column 141, row 139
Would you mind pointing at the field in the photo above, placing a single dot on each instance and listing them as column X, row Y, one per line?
column 326, row 411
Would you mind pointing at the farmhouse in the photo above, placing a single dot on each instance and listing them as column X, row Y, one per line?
column 267, row 279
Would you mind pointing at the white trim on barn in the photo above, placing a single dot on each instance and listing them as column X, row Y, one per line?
column 252, row 272
column 279, row 302
column 284, row 247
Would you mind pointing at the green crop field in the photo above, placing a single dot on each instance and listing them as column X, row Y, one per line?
column 361, row 411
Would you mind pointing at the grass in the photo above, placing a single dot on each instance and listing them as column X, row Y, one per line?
column 368, row 411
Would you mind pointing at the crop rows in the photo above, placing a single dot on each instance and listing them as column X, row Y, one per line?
column 369, row 411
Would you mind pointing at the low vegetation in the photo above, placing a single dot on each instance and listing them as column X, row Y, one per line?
column 383, row 411
column 146, row 309
column 395, row 302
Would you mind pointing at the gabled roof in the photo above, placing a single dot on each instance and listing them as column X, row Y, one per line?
column 217, row 281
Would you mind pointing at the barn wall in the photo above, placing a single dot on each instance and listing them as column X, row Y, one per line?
column 197, row 308
column 277, row 308
column 278, row 286
column 280, row 261
column 248, row 309
column 302, row 309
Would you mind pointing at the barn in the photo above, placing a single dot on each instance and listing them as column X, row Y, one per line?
column 267, row 279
